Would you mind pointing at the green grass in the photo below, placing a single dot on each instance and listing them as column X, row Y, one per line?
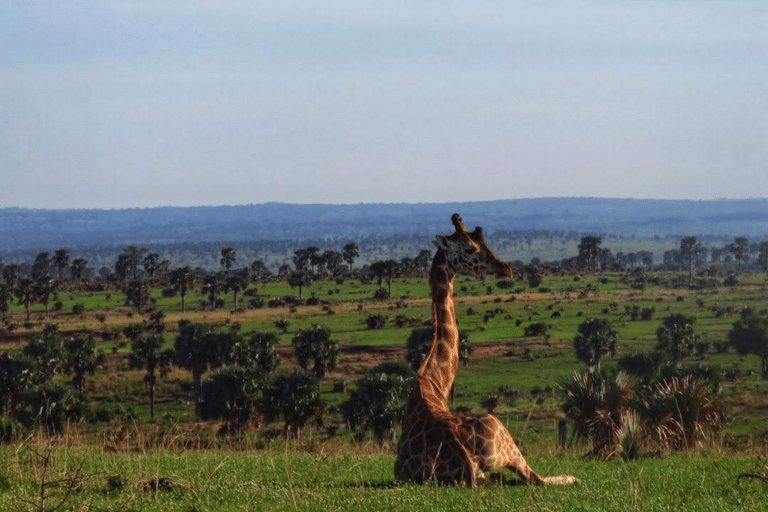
column 322, row 475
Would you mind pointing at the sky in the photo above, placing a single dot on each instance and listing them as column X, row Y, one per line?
column 132, row 104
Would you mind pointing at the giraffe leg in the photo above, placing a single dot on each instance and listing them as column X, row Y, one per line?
column 494, row 448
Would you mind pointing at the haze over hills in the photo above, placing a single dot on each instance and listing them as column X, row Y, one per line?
column 26, row 230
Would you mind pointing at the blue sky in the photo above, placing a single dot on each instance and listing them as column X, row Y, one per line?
column 116, row 104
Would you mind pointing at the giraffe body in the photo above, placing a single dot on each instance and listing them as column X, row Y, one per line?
column 437, row 444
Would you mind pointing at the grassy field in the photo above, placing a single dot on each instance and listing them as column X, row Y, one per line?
column 258, row 471
column 326, row 475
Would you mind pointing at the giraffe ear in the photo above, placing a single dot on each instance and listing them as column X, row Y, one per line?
column 440, row 242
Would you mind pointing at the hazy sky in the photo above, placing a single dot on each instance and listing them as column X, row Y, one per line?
column 114, row 104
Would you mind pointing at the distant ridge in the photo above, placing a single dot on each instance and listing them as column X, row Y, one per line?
column 25, row 229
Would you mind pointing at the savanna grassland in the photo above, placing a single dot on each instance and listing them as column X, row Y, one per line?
column 117, row 459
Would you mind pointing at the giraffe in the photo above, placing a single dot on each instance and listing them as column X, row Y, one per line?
column 437, row 444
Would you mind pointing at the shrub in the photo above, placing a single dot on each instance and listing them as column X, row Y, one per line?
column 376, row 321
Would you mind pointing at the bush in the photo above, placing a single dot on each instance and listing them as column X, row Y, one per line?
column 376, row 321
column 536, row 329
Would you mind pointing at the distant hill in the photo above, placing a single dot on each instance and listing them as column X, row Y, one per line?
column 25, row 229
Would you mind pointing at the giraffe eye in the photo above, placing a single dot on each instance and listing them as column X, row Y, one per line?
column 471, row 250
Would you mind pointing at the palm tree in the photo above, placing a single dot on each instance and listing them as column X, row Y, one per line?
column 350, row 252
column 137, row 293
column 589, row 248
column 689, row 249
column 199, row 348
column 61, row 261
column 81, row 358
column 236, row 283
column 294, row 397
column 228, row 257
column 6, row 297
column 595, row 339
column 146, row 354
column 26, row 292
column 314, row 345
column 300, row 278
column 677, row 336
column 182, row 280
column 78, row 267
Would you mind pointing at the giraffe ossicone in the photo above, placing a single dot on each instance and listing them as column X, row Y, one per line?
column 437, row 444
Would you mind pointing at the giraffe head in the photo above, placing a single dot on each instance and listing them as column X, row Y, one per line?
column 467, row 253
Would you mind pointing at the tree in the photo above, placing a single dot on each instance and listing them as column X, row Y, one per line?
column 11, row 274
column 151, row 263
column 423, row 260
column 147, row 354
column 41, row 266
column 384, row 270
column 78, row 268
column 132, row 257
column 350, row 252
column 589, row 247
column 677, row 336
column 750, row 336
column 228, row 257
column 26, row 292
column 232, row 394
column 46, row 349
column 198, row 348
column 314, row 345
column 762, row 256
column 137, row 293
column 690, row 248
column 378, row 400
column 740, row 249
column 305, row 258
column 294, row 397
column 182, row 280
column 17, row 373
column 61, row 261
column 595, row 339
column 211, row 286
column 301, row 279
column 81, row 358
column 331, row 260
column 236, row 283
column 258, row 270
column 6, row 297
column 257, row 349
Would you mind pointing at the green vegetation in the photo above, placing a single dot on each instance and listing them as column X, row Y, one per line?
column 92, row 368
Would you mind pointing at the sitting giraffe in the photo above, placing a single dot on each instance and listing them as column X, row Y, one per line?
column 437, row 444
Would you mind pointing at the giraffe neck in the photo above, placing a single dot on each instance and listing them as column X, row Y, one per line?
column 439, row 368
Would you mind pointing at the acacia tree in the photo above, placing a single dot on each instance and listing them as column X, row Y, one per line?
column 147, row 353
column 750, row 336
column 314, row 345
column 595, row 339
